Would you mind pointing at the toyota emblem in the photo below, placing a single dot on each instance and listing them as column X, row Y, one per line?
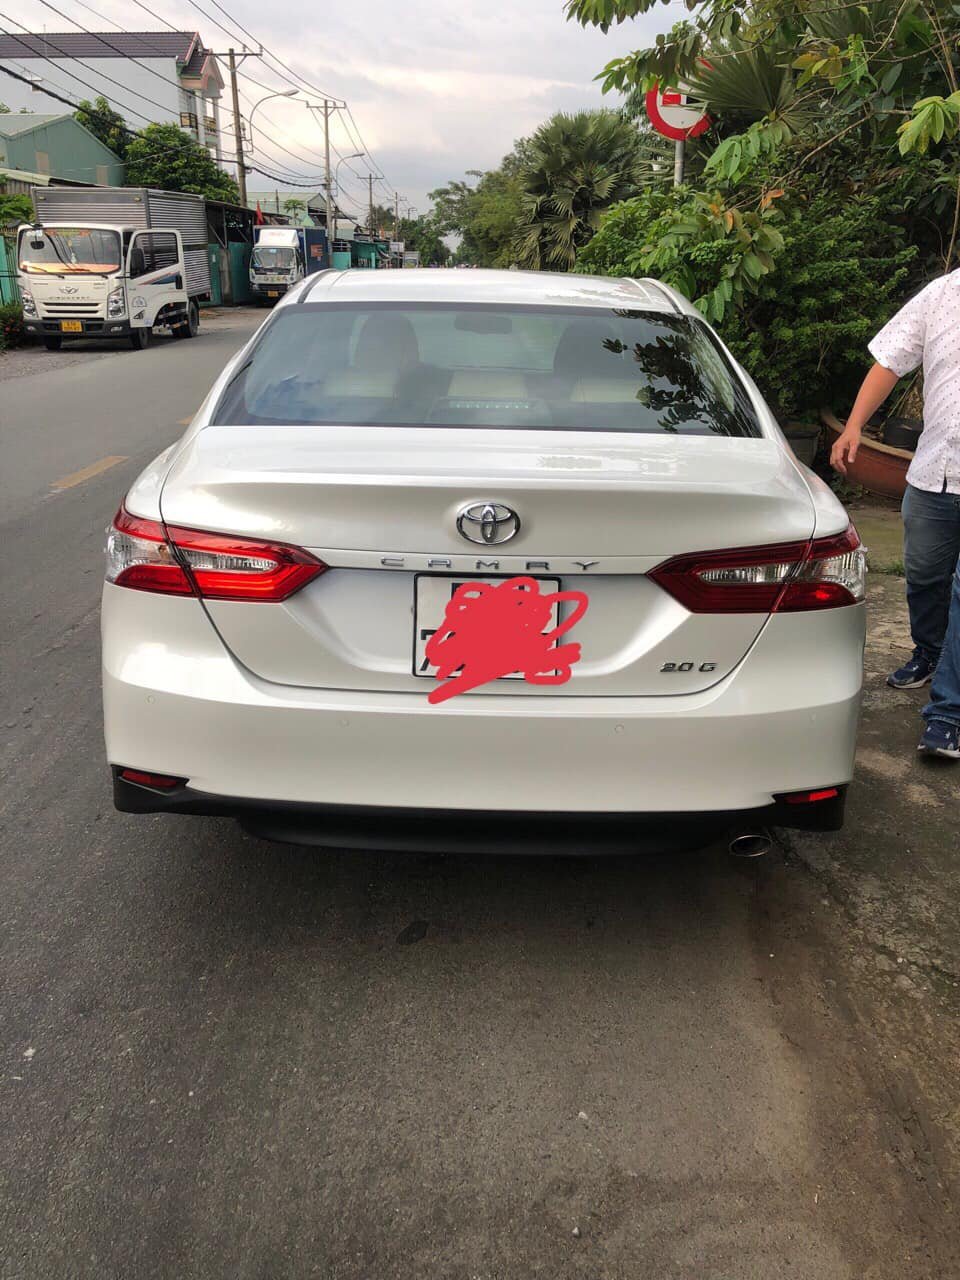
column 488, row 523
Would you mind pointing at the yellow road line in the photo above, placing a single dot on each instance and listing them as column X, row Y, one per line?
column 184, row 422
column 87, row 473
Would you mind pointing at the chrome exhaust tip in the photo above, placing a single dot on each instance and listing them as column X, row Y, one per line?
column 751, row 844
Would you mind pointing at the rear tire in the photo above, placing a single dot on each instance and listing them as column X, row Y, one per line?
column 139, row 339
column 190, row 329
column 53, row 344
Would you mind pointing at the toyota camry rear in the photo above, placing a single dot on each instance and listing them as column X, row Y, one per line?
column 314, row 600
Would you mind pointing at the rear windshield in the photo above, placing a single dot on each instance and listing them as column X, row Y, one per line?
column 478, row 366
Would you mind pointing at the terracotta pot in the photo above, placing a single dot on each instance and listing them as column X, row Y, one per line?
column 879, row 468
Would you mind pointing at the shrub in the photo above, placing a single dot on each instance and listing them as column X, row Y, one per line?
column 796, row 308
column 841, row 274
column 11, row 325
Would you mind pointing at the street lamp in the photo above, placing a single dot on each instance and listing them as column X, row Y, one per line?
column 336, row 173
column 281, row 93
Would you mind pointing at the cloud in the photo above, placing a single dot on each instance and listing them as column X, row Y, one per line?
column 435, row 91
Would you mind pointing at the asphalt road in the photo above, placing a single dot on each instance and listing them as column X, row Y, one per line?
column 223, row 1058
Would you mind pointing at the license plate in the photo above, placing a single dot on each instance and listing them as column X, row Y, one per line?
column 71, row 326
column 273, row 293
column 431, row 595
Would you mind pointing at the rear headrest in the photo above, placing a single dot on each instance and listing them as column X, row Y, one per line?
column 487, row 384
column 378, row 384
column 607, row 391
column 387, row 341
column 580, row 352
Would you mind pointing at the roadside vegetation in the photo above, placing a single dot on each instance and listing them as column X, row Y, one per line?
column 826, row 191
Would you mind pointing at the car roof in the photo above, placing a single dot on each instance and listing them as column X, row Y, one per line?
column 455, row 285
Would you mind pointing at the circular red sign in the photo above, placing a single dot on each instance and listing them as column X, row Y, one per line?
column 658, row 103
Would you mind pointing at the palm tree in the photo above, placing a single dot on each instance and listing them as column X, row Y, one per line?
column 577, row 166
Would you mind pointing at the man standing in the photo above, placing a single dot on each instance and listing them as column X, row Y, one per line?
column 926, row 331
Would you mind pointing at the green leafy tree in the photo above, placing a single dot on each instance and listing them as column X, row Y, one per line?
column 15, row 208
column 162, row 155
column 840, row 275
column 295, row 208
column 713, row 253
column 577, row 166
column 104, row 123
column 485, row 214
column 791, row 80
column 796, row 295
column 422, row 235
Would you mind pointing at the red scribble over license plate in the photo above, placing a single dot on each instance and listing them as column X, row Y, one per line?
column 495, row 629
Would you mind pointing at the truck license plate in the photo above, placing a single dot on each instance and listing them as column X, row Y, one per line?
column 273, row 293
column 71, row 326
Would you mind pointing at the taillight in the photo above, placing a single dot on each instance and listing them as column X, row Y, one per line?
column 788, row 577
column 160, row 781
column 148, row 556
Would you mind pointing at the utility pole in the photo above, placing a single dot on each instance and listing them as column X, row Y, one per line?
column 373, row 230
column 396, row 215
column 328, row 106
column 238, row 132
column 237, row 124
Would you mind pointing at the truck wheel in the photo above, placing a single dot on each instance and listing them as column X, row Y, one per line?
column 53, row 344
column 189, row 330
column 139, row 339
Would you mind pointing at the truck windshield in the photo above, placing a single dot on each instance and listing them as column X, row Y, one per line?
column 273, row 259
column 70, row 251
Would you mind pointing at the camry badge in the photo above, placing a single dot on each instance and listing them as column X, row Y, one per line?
column 488, row 523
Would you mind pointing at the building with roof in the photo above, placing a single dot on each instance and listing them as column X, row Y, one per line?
column 272, row 202
column 148, row 76
column 56, row 146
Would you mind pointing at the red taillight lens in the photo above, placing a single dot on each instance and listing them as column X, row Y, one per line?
column 812, row 797
column 160, row 781
column 146, row 556
column 784, row 577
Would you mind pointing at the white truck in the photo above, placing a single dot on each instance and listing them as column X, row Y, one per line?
column 281, row 257
column 112, row 262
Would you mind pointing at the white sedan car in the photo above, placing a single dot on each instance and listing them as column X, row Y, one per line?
column 485, row 560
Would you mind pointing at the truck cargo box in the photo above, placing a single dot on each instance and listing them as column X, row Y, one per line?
column 137, row 207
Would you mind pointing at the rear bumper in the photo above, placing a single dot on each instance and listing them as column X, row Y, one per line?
column 177, row 703
column 476, row 830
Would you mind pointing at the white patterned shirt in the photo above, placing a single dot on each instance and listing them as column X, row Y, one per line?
column 927, row 331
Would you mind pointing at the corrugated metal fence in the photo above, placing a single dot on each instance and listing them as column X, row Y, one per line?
column 9, row 290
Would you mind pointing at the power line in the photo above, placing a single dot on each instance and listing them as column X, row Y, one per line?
column 283, row 74
column 152, row 102
column 165, row 148
column 152, row 71
column 133, row 92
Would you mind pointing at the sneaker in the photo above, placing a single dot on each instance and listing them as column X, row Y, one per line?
column 941, row 738
column 913, row 674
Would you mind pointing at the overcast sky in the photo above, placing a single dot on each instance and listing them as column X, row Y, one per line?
column 436, row 89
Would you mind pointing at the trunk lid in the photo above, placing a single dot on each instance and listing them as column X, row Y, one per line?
column 380, row 506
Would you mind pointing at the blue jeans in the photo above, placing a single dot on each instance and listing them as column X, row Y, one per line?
column 944, row 701
column 931, row 548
